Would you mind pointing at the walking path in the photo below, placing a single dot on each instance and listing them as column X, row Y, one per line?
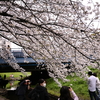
column 2, row 98
column 3, row 92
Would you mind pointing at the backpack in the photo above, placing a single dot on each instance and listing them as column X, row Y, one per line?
column 33, row 95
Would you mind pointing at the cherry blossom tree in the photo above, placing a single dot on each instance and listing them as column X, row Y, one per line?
column 55, row 31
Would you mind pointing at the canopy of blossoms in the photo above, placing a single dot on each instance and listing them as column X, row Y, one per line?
column 55, row 31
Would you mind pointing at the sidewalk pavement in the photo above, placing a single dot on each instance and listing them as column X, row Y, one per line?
column 3, row 98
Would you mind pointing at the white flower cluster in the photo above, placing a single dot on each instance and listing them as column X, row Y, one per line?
column 62, row 33
column 5, row 53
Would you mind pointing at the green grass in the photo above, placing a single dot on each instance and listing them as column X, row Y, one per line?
column 16, row 75
column 52, row 87
column 78, row 85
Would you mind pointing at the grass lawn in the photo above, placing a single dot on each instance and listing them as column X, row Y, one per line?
column 16, row 76
column 78, row 85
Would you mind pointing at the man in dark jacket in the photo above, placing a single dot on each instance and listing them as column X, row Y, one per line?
column 41, row 90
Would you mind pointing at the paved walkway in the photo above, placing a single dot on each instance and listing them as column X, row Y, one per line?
column 3, row 92
column 2, row 98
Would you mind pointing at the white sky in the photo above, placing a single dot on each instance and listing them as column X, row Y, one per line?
column 14, row 46
column 92, row 3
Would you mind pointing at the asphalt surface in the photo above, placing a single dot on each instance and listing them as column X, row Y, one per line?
column 3, row 98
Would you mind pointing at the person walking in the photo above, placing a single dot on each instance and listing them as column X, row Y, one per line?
column 97, row 85
column 39, row 92
column 92, row 86
column 67, row 93
column 4, row 76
